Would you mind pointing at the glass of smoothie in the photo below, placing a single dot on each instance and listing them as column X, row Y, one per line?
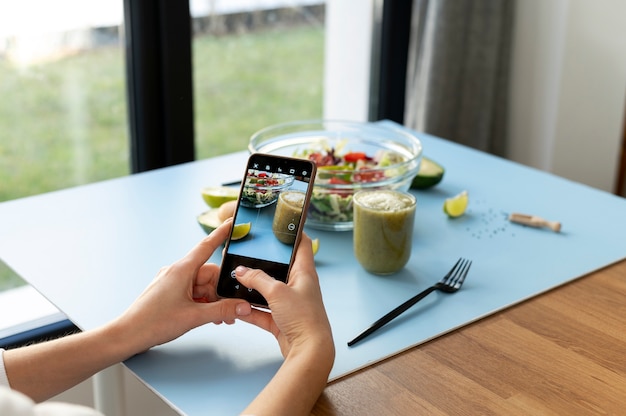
column 383, row 229
column 287, row 216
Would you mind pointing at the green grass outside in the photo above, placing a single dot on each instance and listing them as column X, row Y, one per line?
column 55, row 133
column 245, row 83
column 52, row 129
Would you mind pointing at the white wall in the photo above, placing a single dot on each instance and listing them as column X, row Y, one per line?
column 347, row 61
column 568, row 90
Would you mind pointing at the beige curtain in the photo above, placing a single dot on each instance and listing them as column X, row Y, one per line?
column 458, row 71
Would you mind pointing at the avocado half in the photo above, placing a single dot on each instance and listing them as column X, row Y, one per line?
column 429, row 174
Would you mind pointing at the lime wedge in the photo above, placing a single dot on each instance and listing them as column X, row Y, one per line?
column 315, row 243
column 215, row 196
column 209, row 220
column 456, row 206
column 241, row 230
column 429, row 174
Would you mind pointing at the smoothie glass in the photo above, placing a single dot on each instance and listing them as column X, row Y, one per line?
column 383, row 229
column 287, row 216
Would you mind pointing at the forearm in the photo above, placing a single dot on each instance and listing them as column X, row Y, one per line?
column 43, row 370
column 297, row 385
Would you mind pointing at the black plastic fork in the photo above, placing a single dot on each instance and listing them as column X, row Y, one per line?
column 450, row 283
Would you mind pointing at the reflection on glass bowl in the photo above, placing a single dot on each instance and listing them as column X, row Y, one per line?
column 350, row 156
column 262, row 188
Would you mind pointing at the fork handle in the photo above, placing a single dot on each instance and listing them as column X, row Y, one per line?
column 392, row 315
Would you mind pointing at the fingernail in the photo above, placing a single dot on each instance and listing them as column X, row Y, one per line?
column 241, row 270
column 243, row 309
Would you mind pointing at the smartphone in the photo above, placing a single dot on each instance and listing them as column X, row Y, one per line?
column 268, row 221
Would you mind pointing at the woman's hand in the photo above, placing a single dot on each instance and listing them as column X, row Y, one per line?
column 300, row 324
column 181, row 297
column 297, row 311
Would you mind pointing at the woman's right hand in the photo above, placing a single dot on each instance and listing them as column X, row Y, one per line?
column 297, row 317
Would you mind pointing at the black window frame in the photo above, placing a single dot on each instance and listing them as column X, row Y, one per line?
column 390, row 50
column 159, row 83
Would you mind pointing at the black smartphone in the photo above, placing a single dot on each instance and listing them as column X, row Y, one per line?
column 268, row 221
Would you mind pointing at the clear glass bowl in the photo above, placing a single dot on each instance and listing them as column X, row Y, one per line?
column 397, row 150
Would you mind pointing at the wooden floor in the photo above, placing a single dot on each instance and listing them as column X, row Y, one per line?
column 560, row 353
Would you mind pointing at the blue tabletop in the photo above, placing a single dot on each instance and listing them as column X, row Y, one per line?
column 91, row 250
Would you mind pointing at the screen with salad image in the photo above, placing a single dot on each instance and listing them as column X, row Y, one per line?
column 268, row 221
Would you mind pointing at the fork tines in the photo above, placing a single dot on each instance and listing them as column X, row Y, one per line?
column 455, row 279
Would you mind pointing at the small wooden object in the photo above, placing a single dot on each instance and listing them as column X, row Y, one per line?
column 534, row 221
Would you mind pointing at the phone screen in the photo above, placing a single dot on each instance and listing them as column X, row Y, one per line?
column 273, row 201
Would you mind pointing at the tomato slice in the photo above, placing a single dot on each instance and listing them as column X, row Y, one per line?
column 353, row 157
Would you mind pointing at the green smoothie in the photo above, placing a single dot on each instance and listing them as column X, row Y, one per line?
column 287, row 216
column 383, row 229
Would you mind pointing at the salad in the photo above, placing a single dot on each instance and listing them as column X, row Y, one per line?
column 339, row 175
column 262, row 188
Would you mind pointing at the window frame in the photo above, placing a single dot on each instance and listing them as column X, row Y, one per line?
column 159, row 83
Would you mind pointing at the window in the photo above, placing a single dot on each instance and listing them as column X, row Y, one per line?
column 63, row 115
column 254, row 64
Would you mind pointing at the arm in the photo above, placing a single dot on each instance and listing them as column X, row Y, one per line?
column 43, row 370
column 181, row 297
column 300, row 324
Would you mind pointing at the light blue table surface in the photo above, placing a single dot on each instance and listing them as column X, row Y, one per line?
column 91, row 250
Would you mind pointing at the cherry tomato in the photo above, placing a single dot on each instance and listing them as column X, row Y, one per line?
column 353, row 157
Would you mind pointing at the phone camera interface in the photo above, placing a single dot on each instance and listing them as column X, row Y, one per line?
column 272, row 201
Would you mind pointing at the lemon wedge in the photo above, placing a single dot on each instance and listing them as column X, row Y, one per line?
column 241, row 230
column 215, row 196
column 210, row 220
column 315, row 244
column 456, row 206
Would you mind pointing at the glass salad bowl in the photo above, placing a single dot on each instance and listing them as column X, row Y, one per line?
column 350, row 156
